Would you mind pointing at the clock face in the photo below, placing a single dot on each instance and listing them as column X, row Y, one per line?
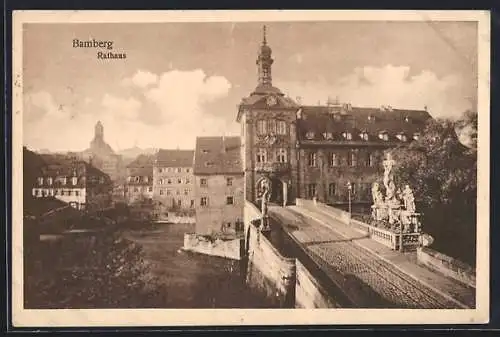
column 271, row 100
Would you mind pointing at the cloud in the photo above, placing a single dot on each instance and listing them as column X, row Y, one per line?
column 389, row 85
column 141, row 79
column 126, row 108
column 169, row 112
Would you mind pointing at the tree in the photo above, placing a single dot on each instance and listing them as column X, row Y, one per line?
column 88, row 271
column 443, row 175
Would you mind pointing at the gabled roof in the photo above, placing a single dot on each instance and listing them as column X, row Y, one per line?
column 373, row 121
column 141, row 166
column 218, row 155
column 174, row 158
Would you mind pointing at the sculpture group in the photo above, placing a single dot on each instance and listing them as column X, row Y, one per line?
column 397, row 209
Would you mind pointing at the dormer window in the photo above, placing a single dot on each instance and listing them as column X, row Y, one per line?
column 383, row 136
column 347, row 135
column 363, row 136
column 402, row 137
column 49, row 180
column 40, row 181
column 416, row 136
column 327, row 135
column 310, row 135
column 74, row 180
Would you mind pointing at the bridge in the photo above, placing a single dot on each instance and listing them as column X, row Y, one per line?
column 348, row 266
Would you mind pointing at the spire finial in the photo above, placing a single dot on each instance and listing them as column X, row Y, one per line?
column 264, row 40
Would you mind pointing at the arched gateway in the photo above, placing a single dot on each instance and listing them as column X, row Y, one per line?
column 278, row 189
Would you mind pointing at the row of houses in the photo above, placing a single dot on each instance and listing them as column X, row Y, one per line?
column 206, row 183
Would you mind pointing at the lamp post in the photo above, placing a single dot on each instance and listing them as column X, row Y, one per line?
column 349, row 190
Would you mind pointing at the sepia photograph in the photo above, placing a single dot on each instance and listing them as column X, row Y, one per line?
column 184, row 167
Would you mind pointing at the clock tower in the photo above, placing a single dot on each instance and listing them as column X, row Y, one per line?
column 268, row 130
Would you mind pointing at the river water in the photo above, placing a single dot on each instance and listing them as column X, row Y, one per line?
column 193, row 280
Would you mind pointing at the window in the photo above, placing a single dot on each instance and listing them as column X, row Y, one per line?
column 56, row 192
column 271, row 126
column 160, row 181
column 136, row 190
column 186, row 191
column 281, row 128
column 77, row 193
column 169, row 192
column 331, row 189
column 281, row 156
column 40, row 181
column 261, row 127
column 179, row 170
column 384, row 136
column 187, row 180
column 364, row 136
column 229, row 201
column 136, row 179
column 169, row 169
column 311, row 159
column 179, row 181
column 333, row 160
column 160, row 170
column 261, row 156
column 169, row 181
column 187, row 170
column 229, row 181
column 70, row 192
column 204, row 201
column 370, row 160
column 177, row 192
column 62, row 192
column 49, row 181
column 179, row 202
column 161, row 191
column 64, row 180
column 203, row 182
column 328, row 135
column 311, row 190
column 347, row 135
column 192, row 203
column 150, row 189
column 354, row 158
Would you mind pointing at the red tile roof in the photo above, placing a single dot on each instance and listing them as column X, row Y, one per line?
column 218, row 155
column 175, row 158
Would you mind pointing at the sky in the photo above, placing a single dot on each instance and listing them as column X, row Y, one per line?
column 182, row 80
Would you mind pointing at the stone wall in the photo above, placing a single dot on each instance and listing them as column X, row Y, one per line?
column 268, row 271
column 230, row 249
column 309, row 294
column 447, row 266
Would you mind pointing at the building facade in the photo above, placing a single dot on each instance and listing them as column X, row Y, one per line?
column 75, row 182
column 139, row 185
column 315, row 151
column 173, row 181
column 219, row 186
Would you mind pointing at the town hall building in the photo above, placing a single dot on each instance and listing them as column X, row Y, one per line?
column 316, row 151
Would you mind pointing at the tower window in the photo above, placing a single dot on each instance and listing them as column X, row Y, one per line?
column 261, row 127
column 229, row 201
column 261, row 156
column 281, row 156
column 271, row 126
column 204, row 201
column 281, row 128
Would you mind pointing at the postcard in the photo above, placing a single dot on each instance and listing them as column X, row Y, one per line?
column 194, row 168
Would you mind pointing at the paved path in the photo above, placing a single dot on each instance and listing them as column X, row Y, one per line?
column 338, row 248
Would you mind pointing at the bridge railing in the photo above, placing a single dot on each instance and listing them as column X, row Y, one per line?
column 388, row 238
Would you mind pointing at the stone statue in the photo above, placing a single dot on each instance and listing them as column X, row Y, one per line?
column 377, row 196
column 390, row 187
column 409, row 199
